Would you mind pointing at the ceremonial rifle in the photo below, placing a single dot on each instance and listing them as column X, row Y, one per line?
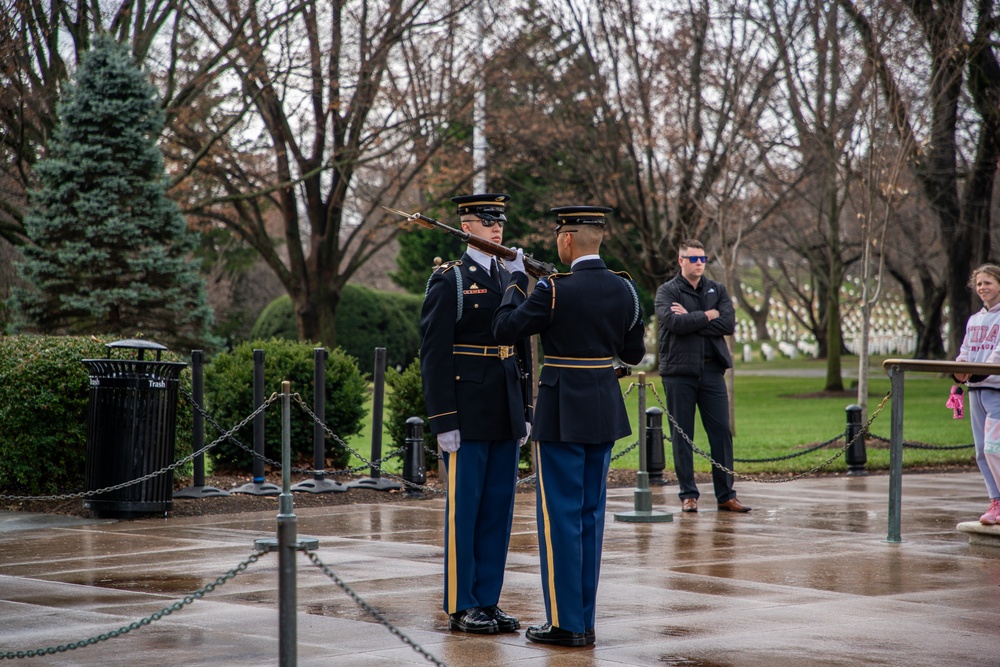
column 532, row 266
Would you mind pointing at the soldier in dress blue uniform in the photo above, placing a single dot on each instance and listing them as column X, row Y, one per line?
column 586, row 318
column 478, row 410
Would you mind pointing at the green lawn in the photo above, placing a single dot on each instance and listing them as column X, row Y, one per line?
column 774, row 418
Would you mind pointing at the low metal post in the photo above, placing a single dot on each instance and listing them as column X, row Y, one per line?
column 856, row 455
column 319, row 482
column 643, row 497
column 895, row 455
column 258, row 487
column 374, row 480
column 414, row 470
column 198, row 488
column 655, row 456
column 287, row 527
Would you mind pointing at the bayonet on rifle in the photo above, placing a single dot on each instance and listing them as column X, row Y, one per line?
column 531, row 265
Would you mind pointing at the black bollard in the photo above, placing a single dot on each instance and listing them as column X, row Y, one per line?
column 413, row 458
column 319, row 483
column 856, row 456
column 198, row 489
column 375, row 481
column 655, row 458
column 259, row 486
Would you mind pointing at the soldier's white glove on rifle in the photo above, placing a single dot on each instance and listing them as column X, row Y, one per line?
column 516, row 264
column 527, row 434
column 450, row 441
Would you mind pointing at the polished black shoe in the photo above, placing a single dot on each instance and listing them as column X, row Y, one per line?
column 547, row 634
column 505, row 621
column 473, row 620
column 590, row 635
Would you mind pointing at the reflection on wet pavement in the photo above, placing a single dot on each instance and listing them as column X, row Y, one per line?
column 804, row 579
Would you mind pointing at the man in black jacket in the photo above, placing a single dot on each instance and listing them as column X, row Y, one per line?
column 694, row 314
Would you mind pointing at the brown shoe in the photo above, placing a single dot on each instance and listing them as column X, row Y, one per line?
column 689, row 505
column 733, row 505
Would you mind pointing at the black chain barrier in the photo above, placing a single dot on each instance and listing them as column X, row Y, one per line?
column 374, row 613
column 166, row 611
column 921, row 445
column 162, row 471
column 367, row 464
column 277, row 464
column 729, row 471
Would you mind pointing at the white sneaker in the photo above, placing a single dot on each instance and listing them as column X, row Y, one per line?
column 992, row 516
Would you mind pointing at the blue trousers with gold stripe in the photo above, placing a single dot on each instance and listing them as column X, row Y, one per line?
column 571, row 496
column 478, row 516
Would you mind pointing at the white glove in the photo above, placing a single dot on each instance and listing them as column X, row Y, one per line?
column 450, row 441
column 516, row 264
column 527, row 434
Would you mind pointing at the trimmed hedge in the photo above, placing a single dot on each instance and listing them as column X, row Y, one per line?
column 229, row 399
column 43, row 410
column 366, row 319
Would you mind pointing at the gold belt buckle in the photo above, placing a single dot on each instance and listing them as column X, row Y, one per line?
column 504, row 351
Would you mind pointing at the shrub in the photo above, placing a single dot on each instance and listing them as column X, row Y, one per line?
column 276, row 321
column 404, row 400
column 229, row 399
column 43, row 409
column 366, row 319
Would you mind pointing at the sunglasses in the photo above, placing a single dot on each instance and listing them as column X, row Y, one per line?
column 694, row 259
column 489, row 223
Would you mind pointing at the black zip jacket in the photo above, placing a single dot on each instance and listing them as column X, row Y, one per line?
column 687, row 340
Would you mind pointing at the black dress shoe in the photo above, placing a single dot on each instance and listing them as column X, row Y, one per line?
column 505, row 621
column 590, row 635
column 473, row 620
column 548, row 634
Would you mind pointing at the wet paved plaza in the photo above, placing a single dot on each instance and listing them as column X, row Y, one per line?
column 805, row 579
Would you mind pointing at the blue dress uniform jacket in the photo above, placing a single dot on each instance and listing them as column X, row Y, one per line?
column 481, row 395
column 590, row 313
column 469, row 387
column 585, row 318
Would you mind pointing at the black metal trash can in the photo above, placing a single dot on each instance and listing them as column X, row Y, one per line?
column 131, row 428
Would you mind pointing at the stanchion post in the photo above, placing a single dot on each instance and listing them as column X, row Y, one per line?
column 856, row 456
column 258, row 419
column 198, row 488
column 319, row 483
column 286, row 543
column 319, row 407
column 895, row 455
column 287, row 527
column 375, row 481
column 643, row 496
column 258, row 487
column 413, row 458
column 198, row 391
column 655, row 457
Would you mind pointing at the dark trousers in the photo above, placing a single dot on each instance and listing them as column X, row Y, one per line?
column 479, row 511
column 708, row 393
column 571, row 497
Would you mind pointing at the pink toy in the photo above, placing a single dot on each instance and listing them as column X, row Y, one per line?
column 956, row 402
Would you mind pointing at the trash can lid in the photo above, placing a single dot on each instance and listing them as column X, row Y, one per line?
column 136, row 344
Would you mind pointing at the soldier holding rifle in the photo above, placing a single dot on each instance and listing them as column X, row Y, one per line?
column 479, row 412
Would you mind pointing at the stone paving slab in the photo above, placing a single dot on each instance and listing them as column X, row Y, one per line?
column 807, row 578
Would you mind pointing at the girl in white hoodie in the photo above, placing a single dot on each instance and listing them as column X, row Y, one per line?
column 982, row 345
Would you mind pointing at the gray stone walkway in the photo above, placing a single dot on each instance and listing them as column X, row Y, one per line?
column 804, row 579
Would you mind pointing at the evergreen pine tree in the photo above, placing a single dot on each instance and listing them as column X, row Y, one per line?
column 110, row 252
